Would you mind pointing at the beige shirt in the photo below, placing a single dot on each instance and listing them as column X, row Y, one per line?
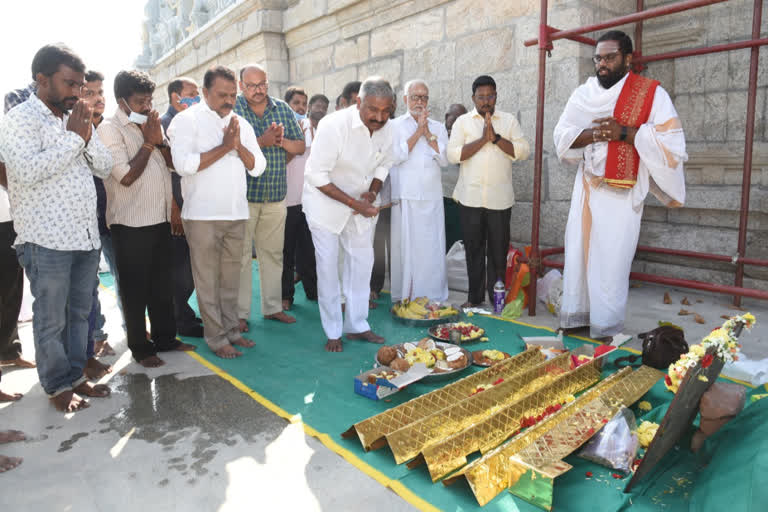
column 147, row 201
column 485, row 179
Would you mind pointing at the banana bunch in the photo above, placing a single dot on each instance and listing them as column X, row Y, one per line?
column 413, row 309
column 446, row 311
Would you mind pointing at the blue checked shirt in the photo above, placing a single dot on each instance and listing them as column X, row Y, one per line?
column 271, row 186
column 19, row 96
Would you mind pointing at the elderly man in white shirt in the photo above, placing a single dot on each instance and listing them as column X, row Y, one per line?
column 350, row 159
column 212, row 149
column 418, row 220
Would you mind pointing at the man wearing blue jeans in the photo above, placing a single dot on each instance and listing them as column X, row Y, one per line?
column 51, row 151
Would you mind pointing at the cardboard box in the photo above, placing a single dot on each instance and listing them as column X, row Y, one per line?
column 382, row 388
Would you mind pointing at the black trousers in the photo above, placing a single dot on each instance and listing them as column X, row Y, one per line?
column 486, row 235
column 144, row 259
column 381, row 250
column 183, row 284
column 11, row 290
column 298, row 254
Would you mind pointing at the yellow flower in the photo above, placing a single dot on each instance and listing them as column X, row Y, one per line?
column 646, row 432
column 570, row 398
column 698, row 351
column 703, row 378
column 644, row 406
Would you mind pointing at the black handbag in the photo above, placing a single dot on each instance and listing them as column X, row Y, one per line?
column 661, row 347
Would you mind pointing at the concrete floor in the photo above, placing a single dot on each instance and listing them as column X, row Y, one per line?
column 182, row 438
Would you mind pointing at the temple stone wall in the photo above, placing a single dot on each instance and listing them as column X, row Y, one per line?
column 323, row 44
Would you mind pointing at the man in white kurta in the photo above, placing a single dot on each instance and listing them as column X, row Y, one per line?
column 212, row 150
column 418, row 220
column 350, row 159
column 604, row 220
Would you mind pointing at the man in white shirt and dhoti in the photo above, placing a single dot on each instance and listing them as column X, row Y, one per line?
column 624, row 133
column 418, row 220
column 350, row 158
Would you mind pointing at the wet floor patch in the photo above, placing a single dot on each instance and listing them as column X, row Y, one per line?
column 194, row 414
column 67, row 445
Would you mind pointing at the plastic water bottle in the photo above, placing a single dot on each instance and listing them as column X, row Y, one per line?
column 498, row 297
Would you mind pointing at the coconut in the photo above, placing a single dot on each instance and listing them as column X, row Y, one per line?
column 400, row 364
column 457, row 362
column 386, row 355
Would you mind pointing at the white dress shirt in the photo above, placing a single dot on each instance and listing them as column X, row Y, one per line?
column 218, row 191
column 5, row 206
column 485, row 179
column 50, row 178
column 417, row 173
column 294, row 170
column 346, row 154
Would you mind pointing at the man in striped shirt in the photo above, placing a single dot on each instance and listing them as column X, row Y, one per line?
column 138, row 213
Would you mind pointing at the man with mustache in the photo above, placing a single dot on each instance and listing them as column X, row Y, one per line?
column 418, row 220
column 182, row 94
column 212, row 149
column 138, row 211
column 486, row 142
column 350, row 159
column 624, row 133
column 279, row 135
column 93, row 95
column 50, row 151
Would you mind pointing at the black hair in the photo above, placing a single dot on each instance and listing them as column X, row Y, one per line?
column 50, row 57
column 177, row 85
column 319, row 97
column 350, row 89
column 218, row 72
column 293, row 91
column 338, row 100
column 128, row 83
column 481, row 81
column 93, row 76
column 625, row 43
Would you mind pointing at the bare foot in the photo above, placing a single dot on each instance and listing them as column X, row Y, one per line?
column 334, row 346
column 94, row 369
column 93, row 391
column 185, row 347
column 11, row 436
column 149, row 336
column 243, row 342
column 372, row 305
column 8, row 463
column 374, row 296
column 68, row 401
column 243, row 324
column 20, row 362
column 151, row 362
column 368, row 336
column 287, row 303
column 5, row 397
column 281, row 317
column 469, row 305
column 228, row 352
column 103, row 348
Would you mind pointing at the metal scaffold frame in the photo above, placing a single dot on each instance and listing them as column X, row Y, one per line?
column 547, row 35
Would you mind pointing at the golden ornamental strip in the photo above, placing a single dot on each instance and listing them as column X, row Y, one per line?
column 566, row 430
column 372, row 430
column 407, row 442
column 450, row 453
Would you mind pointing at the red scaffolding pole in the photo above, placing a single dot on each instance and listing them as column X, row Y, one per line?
column 547, row 35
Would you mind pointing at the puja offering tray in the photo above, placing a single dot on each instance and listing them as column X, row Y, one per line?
column 444, row 360
column 457, row 332
column 421, row 312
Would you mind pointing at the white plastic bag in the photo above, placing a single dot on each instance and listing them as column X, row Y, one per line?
column 615, row 445
column 456, row 267
column 545, row 283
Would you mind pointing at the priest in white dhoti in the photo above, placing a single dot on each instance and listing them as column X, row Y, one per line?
column 351, row 156
column 625, row 135
column 418, row 220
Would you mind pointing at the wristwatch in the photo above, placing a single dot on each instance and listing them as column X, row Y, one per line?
column 497, row 139
column 623, row 136
column 432, row 138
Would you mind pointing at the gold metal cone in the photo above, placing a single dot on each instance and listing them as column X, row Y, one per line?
column 542, row 447
column 371, row 431
column 450, row 453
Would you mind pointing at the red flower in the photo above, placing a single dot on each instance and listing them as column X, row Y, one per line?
column 667, row 380
column 591, row 431
column 617, row 476
column 589, row 474
column 706, row 360
column 605, row 420
column 499, row 381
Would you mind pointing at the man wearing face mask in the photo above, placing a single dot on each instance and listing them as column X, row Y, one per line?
column 138, row 211
column 50, row 151
column 213, row 149
column 624, row 133
column 298, row 251
column 486, row 142
column 182, row 94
